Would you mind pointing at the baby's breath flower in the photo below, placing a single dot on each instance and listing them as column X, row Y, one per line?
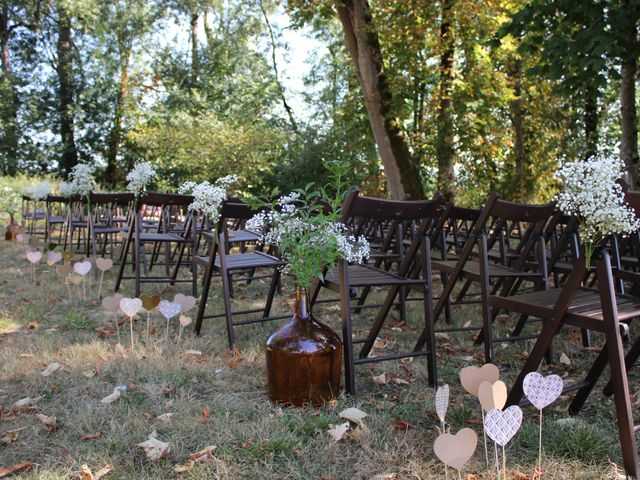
column 140, row 177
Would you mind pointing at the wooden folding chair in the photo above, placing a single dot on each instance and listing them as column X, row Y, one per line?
column 601, row 311
column 104, row 230
column 220, row 260
column 56, row 216
column 139, row 237
column 413, row 272
column 504, row 237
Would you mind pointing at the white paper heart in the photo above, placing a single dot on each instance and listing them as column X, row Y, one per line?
column 471, row 377
column 442, row 402
column 111, row 304
column 501, row 425
column 542, row 391
column 186, row 302
column 34, row 257
column 82, row 268
column 456, row 450
column 104, row 264
column 492, row 395
column 53, row 258
column 184, row 321
column 169, row 309
column 21, row 237
column 130, row 306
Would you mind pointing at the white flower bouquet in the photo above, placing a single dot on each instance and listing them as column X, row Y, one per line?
column 37, row 191
column 81, row 180
column 140, row 177
column 592, row 194
column 208, row 197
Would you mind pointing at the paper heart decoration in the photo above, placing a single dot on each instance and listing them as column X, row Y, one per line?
column 34, row 257
column 542, row 391
column 471, row 377
column 111, row 304
column 104, row 264
column 149, row 302
column 169, row 309
column 442, row 402
column 82, row 268
column 184, row 321
column 21, row 237
column 130, row 306
column 53, row 258
column 64, row 270
column 501, row 425
column 492, row 395
column 456, row 450
column 185, row 302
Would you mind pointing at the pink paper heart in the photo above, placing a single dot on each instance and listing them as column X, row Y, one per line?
column 34, row 257
column 53, row 258
column 542, row 391
column 169, row 309
column 111, row 304
column 104, row 264
column 185, row 302
column 82, row 268
column 130, row 306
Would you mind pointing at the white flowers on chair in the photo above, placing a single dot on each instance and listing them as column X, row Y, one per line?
column 208, row 197
column 37, row 191
column 140, row 177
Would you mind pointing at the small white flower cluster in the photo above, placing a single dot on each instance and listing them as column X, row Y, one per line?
column 81, row 181
column 208, row 197
column 592, row 194
column 37, row 191
column 140, row 177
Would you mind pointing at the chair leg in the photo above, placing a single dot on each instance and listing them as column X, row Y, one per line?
column 632, row 357
column 123, row 257
column 347, row 339
column 227, row 307
column 272, row 291
column 206, row 285
column 377, row 323
column 486, row 308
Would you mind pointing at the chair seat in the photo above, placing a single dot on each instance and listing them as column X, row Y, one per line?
column 108, row 230
column 368, row 276
column 56, row 219
column 239, row 236
column 472, row 269
column 585, row 310
column 248, row 260
column 162, row 237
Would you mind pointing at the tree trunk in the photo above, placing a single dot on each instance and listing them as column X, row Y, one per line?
column 66, row 106
column 364, row 47
column 521, row 191
column 628, row 114
column 195, row 61
column 591, row 124
column 444, row 145
column 113, row 173
column 9, row 143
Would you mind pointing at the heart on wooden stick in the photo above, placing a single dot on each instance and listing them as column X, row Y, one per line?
column 111, row 304
column 442, row 402
column 64, row 270
column 184, row 320
column 53, row 258
column 82, row 268
column 149, row 302
column 33, row 256
column 21, row 237
column 186, row 302
column 542, row 391
column 104, row 264
column 456, row 450
column 502, row 425
column 169, row 309
column 492, row 395
column 471, row 377
column 130, row 306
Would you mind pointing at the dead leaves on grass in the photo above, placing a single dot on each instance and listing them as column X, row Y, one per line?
column 87, row 474
column 113, row 396
column 343, row 431
column 51, row 369
column 11, row 435
column 18, row 467
column 155, row 449
column 389, row 378
column 91, row 436
column 202, row 456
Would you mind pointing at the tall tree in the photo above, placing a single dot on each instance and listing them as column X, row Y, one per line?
column 10, row 102
column 629, row 71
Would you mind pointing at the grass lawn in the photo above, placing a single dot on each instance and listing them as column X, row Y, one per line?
column 219, row 399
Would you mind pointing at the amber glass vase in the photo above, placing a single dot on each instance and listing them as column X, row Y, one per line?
column 12, row 230
column 304, row 358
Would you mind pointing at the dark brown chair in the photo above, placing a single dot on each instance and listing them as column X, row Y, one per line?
column 104, row 229
column 56, row 216
column 413, row 272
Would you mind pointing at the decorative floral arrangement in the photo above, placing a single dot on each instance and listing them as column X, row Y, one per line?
column 81, row 180
column 37, row 191
column 65, row 189
column 592, row 194
column 10, row 201
column 140, row 177
column 308, row 234
column 208, row 197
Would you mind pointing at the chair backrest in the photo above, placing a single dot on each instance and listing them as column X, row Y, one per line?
column 157, row 199
column 115, row 198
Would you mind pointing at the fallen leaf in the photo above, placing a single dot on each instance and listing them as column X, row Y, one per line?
column 353, row 414
column 102, row 472
column 85, row 473
column 32, row 325
column 184, row 468
column 339, row 432
column 402, row 425
column 385, row 476
column 203, row 455
column 380, row 379
column 51, row 368
column 193, row 352
column 11, row 435
column 165, row 417
column 359, row 432
column 18, row 467
column 47, row 420
column 236, row 358
column 113, row 396
column 25, row 403
column 91, row 436
column 89, row 373
column 565, row 359
column 206, row 413
column 155, row 449
column 518, row 475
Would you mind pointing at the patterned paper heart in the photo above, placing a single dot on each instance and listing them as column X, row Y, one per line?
column 53, row 258
column 492, row 395
column 130, row 306
column 471, row 377
column 33, row 256
column 64, row 270
column 184, row 321
column 111, row 304
column 442, row 402
column 456, row 450
column 149, row 302
column 82, row 268
column 104, row 264
column 185, row 302
column 169, row 309
column 542, row 391
column 501, row 425
column 21, row 237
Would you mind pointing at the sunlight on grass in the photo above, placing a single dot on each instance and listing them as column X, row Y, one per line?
column 8, row 325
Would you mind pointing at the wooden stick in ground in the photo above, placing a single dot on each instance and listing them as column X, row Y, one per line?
column 100, row 284
column 131, row 328
column 484, row 434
